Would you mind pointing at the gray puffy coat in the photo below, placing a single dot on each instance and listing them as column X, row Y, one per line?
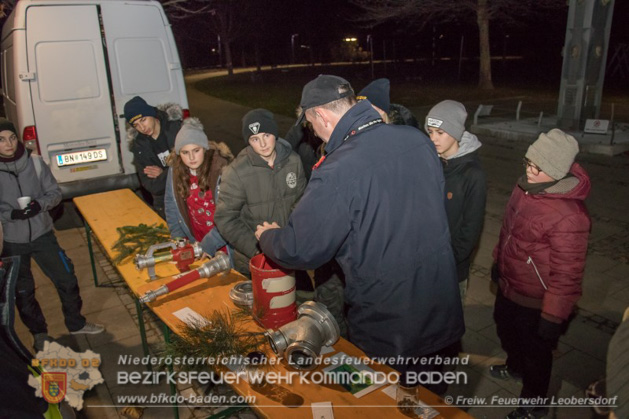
column 252, row 192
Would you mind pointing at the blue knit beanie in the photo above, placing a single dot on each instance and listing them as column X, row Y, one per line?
column 137, row 108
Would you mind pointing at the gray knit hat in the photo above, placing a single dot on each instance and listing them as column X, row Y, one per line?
column 448, row 116
column 191, row 132
column 554, row 153
column 256, row 121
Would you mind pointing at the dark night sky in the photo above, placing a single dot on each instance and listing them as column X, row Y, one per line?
column 322, row 24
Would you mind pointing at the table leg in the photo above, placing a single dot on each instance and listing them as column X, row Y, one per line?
column 173, row 388
column 88, row 232
column 145, row 346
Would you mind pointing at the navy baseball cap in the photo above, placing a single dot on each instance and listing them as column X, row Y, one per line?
column 324, row 89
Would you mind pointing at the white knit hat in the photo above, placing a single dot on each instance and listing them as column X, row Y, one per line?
column 554, row 153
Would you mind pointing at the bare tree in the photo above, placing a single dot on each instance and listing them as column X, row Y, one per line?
column 224, row 19
column 420, row 12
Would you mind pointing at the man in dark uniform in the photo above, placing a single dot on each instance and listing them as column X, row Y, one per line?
column 378, row 208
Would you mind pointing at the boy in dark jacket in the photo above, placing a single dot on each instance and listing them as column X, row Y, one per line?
column 466, row 189
column 28, row 234
column 152, row 137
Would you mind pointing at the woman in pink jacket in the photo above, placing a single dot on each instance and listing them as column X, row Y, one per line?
column 539, row 264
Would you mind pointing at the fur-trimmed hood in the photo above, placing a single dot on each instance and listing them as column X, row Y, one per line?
column 165, row 112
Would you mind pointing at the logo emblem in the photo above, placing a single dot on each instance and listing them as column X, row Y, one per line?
column 433, row 122
column 54, row 386
column 449, row 195
column 254, row 127
column 291, row 180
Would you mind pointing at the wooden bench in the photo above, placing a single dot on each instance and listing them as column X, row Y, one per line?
column 103, row 213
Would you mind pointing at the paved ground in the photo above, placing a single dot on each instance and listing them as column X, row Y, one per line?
column 580, row 357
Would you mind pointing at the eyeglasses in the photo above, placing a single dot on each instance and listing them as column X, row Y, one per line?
column 534, row 168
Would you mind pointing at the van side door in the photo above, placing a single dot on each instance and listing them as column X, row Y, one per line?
column 143, row 57
column 72, row 106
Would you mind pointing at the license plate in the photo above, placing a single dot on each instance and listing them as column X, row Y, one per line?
column 68, row 159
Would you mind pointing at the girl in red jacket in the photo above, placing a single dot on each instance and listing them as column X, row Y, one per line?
column 539, row 264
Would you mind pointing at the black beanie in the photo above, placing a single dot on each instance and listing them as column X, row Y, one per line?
column 377, row 92
column 6, row 125
column 137, row 108
column 257, row 121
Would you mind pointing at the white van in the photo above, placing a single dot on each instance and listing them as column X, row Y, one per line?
column 68, row 68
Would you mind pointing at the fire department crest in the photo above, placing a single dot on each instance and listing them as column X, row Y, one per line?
column 291, row 180
column 54, row 386
column 254, row 127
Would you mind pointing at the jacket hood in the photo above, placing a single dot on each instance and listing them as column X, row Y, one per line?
column 282, row 148
column 165, row 112
column 576, row 186
column 468, row 144
column 357, row 116
column 18, row 165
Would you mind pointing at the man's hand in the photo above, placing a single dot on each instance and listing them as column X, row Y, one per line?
column 153, row 171
column 264, row 227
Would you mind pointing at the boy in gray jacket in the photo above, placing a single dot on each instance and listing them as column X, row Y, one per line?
column 28, row 233
column 263, row 183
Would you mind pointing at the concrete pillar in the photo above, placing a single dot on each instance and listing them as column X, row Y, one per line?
column 584, row 60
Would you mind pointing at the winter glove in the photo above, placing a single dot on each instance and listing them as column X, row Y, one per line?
column 24, row 214
column 19, row 214
column 549, row 330
column 495, row 272
column 33, row 209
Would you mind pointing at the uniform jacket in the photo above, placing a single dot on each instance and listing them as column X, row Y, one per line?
column 381, row 214
column 19, row 178
column 177, row 209
column 466, row 193
column 543, row 244
column 153, row 152
column 252, row 192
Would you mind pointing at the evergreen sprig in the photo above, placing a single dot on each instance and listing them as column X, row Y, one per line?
column 138, row 239
column 221, row 335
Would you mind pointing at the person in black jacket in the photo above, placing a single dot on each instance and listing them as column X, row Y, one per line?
column 152, row 137
column 466, row 190
column 380, row 214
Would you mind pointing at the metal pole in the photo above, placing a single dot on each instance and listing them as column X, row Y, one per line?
column 384, row 55
column 461, row 56
column 220, row 51
column 292, row 47
column 88, row 233
column 370, row 40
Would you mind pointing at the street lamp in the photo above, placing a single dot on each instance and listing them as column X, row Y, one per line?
column 292, row 47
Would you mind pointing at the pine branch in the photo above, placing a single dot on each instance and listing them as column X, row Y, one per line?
column 221, row 335
column 138, row 239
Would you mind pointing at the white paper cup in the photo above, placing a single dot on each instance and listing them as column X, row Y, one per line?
column 23, row 201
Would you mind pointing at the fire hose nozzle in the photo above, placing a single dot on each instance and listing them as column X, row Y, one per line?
column 142, row 261
column 301, row 340
column 152, row 295
column 219, row 263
